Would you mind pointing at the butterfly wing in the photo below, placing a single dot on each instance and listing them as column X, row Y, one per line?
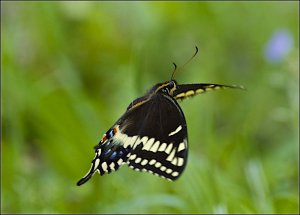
column 188, row 90
column 110, row 155
column 151, row 136
column 161, row 144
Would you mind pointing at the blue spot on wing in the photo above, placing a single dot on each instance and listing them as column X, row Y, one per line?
column 113, row 155
column 112, row 152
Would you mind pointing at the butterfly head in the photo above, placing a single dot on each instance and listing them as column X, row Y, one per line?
column 167, row 87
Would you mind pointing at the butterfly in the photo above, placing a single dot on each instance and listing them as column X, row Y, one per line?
column 151, row 136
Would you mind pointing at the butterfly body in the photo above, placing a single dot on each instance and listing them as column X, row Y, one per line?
column 151, row 136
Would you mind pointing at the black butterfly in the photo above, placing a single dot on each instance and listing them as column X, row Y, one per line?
column 151, row 136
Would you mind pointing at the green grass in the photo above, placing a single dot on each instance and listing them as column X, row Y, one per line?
column 69, row 70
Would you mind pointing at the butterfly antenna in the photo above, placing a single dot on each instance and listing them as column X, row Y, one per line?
column 175, row 69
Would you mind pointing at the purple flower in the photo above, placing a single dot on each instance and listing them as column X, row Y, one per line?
column 278, row 46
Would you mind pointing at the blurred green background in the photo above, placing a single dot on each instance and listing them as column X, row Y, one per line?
column 69, row 70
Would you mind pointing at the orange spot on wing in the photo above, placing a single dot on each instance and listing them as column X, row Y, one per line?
column 115, row 130
column 104, row 138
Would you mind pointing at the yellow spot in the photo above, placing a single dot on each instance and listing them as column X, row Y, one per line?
column 209, row 88
column 199, row 91
column 189, row 93
column 180, row 95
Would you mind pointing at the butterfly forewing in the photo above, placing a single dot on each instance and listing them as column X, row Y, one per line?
column 188, row 90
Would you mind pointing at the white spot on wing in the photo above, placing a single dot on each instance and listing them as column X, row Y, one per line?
column 144, row 162
column 168, row 150
column 174, row 161
column 181, row 147
column 139, row 141
column 132, row 157
column 138, row 160
column 96, row 163
column 120, row 161
column 120, row 136
column 155, row 146
column 129, row 141
column 174, row 174
column 176, row 130
column 124, row 139
column 157, row 164
column 112, row 166
column 180, row 161
column 168, row 171
column 163, row 168
column 104, row 166
column 153, row 161
column 148, row 144
column 171, row 156
column 162, row 147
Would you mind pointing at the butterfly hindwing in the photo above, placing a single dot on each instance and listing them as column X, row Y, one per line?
column 161, row 145
column 145, row 140
column 110, row 154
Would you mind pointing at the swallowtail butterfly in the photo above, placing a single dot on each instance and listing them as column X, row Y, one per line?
column 151, row 136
